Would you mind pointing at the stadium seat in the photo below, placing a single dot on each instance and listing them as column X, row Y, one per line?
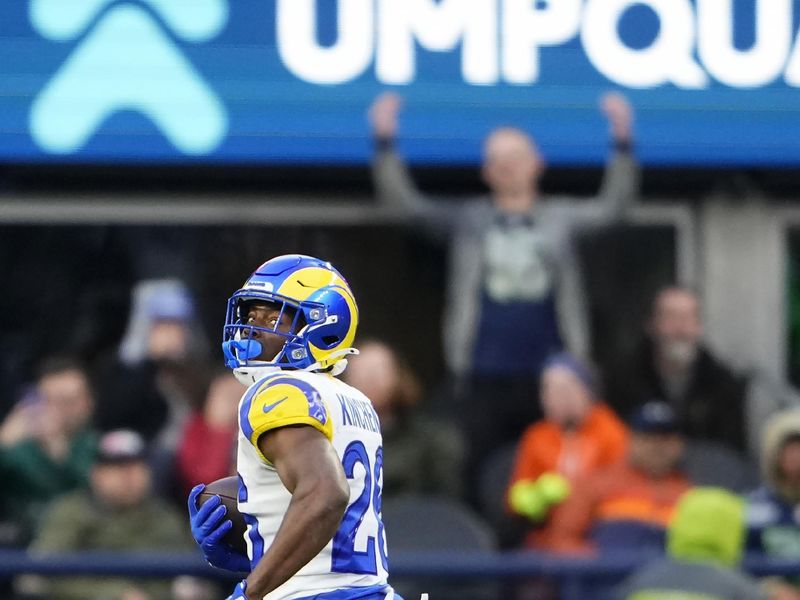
column 426, row 523
column 493, row 482
column 432, row 523
column 715, row 464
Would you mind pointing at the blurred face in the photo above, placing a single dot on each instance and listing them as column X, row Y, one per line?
column 263, row 314
column 657, row 454
column 565, row 399
column 67, row 399
column 511, row 163
column 221, row 406
column 121, row 485
column 191, row 588
column 789, row 465
column 168, row 340
column 374, row 372
column 676, row 327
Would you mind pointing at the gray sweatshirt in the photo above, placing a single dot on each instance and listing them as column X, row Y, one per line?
column 466, row 223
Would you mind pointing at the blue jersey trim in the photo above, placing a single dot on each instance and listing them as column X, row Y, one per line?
column 316, row 409
column 244, row 409
column 372, row 592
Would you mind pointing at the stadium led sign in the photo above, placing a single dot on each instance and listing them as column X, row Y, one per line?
column 98, row 79
column 500, row 41
column 147, row 81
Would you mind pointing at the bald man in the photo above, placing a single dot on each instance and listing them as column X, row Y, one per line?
column 514, row 294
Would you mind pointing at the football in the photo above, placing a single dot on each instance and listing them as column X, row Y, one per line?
column 227, row 489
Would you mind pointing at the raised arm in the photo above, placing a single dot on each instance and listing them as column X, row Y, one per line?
column 393, row 183
column 310, row 469
column 620, row 186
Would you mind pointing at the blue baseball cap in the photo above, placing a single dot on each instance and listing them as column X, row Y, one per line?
column 654, row 416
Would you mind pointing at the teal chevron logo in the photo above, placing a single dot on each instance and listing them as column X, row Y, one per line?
column 128, row 62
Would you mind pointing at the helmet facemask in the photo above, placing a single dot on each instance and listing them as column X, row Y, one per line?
column 242, row 349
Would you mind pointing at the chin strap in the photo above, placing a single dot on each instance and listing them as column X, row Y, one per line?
column 339, row 367
column 249, row 375
column 334, row 362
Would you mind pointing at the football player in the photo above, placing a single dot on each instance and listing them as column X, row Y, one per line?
column 309, row 451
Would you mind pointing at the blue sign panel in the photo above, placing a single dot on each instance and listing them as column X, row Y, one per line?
column 713, row 82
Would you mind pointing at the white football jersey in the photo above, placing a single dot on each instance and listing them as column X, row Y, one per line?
column 356, row 556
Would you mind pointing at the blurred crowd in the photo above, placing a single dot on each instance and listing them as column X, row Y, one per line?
column 657, row 454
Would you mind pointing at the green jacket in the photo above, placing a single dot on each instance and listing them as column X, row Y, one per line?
column 704, row 543
column 79, row 522
column 37, row 479
column 709, row 525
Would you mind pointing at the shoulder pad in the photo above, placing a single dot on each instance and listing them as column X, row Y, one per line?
column 281, row 400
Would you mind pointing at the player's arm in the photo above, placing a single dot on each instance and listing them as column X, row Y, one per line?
column 310, row 469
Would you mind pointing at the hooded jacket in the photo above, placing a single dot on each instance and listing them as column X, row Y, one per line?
column 773, row 516
column 704, row 545
column 708, row 526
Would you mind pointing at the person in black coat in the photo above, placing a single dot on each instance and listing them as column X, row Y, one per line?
column 671, row 363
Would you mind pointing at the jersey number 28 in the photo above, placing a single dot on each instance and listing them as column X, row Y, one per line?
column 345, row 557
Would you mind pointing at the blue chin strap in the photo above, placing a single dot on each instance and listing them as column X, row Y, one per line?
column 236, row 351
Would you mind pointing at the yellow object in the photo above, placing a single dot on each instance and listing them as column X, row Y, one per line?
column 281, row 400
column 307, row 283
column 554, row 487
column 709, row 525
column 525, row 499
column 534, row 499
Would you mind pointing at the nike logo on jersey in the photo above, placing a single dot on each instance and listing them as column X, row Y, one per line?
column 268, row 407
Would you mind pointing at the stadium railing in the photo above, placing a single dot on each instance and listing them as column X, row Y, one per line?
column 440, row 565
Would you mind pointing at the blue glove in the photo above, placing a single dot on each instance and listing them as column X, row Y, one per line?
column 208, row 529
column 239, row 592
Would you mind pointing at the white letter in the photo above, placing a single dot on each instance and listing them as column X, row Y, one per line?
column 437, row 27
column 526, row 28
column 792, row 75
column 668, row 58
column 744, row 68
column 298, row 48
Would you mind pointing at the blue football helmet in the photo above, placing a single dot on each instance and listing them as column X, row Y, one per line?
column 325, row 316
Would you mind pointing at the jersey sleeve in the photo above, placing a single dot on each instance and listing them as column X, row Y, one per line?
column 279, row 402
